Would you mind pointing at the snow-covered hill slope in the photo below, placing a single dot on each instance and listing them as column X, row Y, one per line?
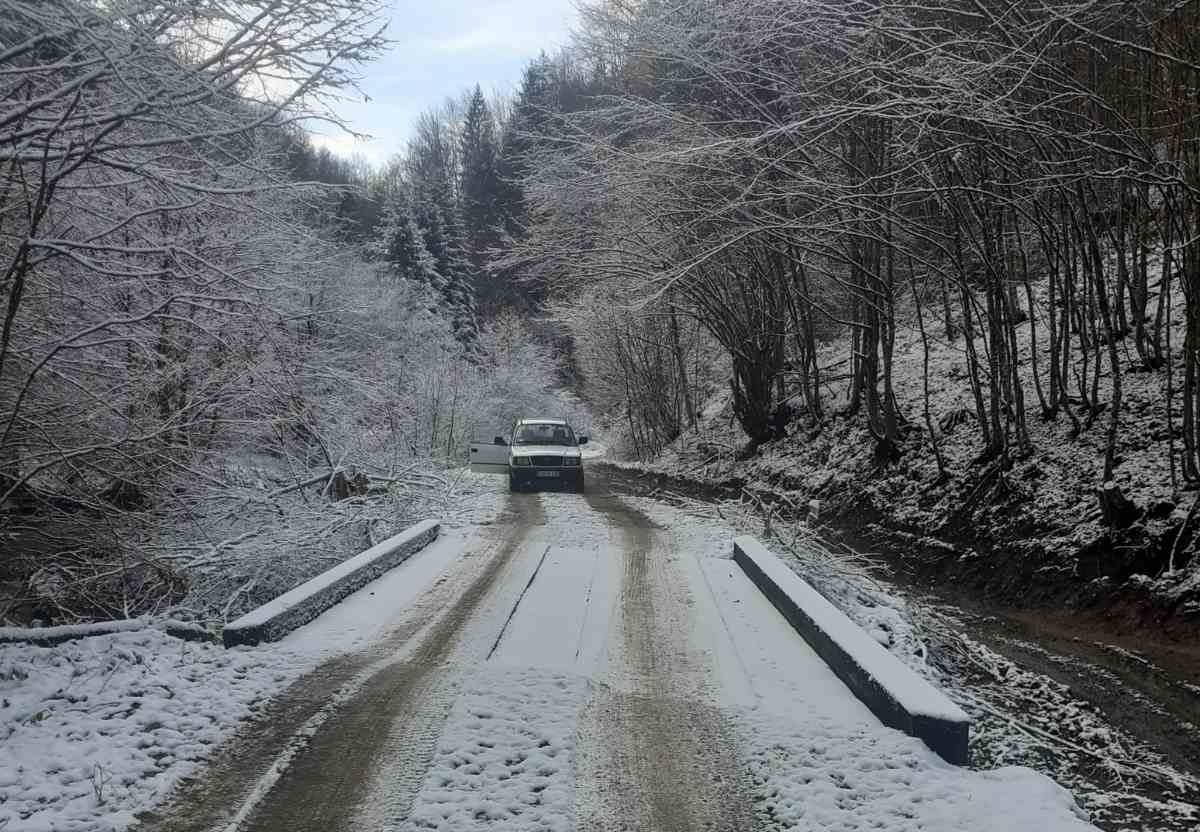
column 1032, row 529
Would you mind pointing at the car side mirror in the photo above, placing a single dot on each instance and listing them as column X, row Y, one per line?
column 583, row 440
column 499, row 440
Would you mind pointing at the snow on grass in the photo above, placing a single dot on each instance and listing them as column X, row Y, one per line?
column 818, row 776
column 93, row 731
column 506, row 755
column 1022, row 717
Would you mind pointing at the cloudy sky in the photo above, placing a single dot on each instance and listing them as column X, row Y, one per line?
column 440, row 48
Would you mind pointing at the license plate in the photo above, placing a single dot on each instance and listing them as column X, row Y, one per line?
column 548, row 473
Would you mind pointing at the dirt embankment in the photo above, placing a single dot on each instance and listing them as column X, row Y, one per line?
column 1000, row 559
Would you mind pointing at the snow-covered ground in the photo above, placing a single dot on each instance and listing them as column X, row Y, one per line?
column 1044, row 509
column 1021, row 717
column 552, row 663
column 93, row 730
column 817, row 758
column 533, row 738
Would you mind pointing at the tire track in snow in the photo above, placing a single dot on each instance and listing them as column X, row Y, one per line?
column 337, row 729
column 242, row 772
column 668, row 761
column 210, row 801
column 391, row 727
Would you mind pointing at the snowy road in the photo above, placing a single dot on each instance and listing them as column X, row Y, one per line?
column 592, row 663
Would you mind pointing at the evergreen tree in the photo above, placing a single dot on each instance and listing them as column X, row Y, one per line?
column 480, row 188
column 441, row 229
column 526, row 127
column 400, row 243
column 480, row 185
column 432, row 165
column 535, row 101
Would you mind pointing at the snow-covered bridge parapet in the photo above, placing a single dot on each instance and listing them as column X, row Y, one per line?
column 894, row 692
column 275, row 619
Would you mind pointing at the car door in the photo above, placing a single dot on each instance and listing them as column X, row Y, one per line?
column 489, row 457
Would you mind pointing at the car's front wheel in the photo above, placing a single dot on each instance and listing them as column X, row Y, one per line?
column 513, row 485
column 579, row 483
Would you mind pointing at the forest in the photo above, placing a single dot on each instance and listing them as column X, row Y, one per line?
column 219, row 373
column 934, row 264
column 937, row 262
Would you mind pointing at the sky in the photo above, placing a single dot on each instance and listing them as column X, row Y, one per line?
column 441, row 48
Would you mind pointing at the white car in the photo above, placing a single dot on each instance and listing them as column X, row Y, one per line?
column 537, row 452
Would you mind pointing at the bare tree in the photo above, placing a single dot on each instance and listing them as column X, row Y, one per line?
column 786, row 170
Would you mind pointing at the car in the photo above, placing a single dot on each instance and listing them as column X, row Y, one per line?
column 537, row 452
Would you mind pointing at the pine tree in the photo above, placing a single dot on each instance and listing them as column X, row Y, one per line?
column 535, row 100
column 400, row 243
column 432, row 165
column 480, row 184
column 480, row 188
column 441, row 230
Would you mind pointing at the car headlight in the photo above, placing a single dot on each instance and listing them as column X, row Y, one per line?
column 568, row 461
column 521, row 460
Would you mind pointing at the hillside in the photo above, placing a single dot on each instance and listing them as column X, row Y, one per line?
column 1032, row 530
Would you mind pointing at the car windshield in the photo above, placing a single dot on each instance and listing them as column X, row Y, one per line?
column 539, row 434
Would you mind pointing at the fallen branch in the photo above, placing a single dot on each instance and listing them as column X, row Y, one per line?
column 279, row 492
column 48, row 636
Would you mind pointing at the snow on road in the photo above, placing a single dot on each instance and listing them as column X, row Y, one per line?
column 643, row 682
column 362, row 618
column 571, row 663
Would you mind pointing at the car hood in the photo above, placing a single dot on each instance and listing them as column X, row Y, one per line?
column 545, row 450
